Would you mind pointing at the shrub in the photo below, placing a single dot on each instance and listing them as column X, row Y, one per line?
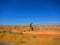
column 22, row 41
column 21, row 33
column 34, row 36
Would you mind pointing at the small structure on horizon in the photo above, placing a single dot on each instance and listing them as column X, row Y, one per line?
column 31, row 27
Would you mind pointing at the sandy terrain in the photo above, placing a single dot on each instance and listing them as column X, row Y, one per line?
column 42, row 32
column 39, row 31
column 22, row 35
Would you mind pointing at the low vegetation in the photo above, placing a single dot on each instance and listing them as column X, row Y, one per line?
column 14, row 35
column 7, row 38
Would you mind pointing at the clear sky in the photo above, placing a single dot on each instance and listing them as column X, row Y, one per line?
column 22, row 12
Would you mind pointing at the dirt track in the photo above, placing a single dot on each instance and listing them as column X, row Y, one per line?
column 44, row 34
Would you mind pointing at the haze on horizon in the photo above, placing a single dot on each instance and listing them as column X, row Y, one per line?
column 23, row 12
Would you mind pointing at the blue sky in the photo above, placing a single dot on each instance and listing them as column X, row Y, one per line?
column 22, row 12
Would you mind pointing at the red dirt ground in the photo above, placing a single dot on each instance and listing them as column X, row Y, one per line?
column 43, row 34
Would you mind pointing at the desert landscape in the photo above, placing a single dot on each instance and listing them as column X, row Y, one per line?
column 29, row 22
column 24, row 35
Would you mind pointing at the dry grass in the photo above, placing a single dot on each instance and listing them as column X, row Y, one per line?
column 22, row 39
column 17, row 36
